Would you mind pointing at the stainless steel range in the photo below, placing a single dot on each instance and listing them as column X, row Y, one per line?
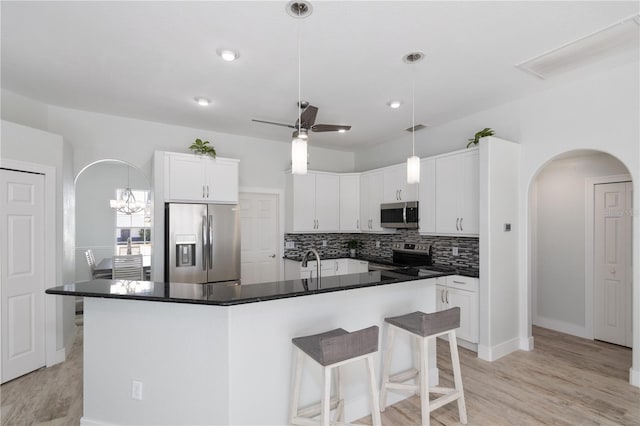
column 411, row 254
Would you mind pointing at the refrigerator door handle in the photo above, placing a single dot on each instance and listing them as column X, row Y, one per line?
column 204, row 243
column 210, row 242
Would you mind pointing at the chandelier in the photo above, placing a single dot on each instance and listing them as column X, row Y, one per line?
column 127, row 202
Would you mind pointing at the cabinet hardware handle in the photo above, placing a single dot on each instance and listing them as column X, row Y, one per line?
column 459, row 282
column 358, row 224
column 442, row 295
column 273, row 256
column 461, row 228
column 400, row 194
column 457, row 222
column 207, row 191
column 447, row 297
column 202, row 191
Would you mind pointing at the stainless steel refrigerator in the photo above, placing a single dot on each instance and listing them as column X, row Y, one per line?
column 202, row 243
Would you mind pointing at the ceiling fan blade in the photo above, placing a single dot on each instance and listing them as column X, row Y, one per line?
column 308, row 116
column 329, row 127
column 275, row 124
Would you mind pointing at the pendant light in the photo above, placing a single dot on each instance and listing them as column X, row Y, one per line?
column 413, row 162
column 127, row 202
column 299, row 9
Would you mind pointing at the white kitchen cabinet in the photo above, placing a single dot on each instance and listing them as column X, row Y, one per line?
column 291, row 269
column 457, row 193
column 357, row 266
column 314, row 202
column 195, row 178
column 331, row 267
column 327, row 269
column 350, row 202
column 461, row 291
column 371, row 196
column 427, row 196
column 396, row 187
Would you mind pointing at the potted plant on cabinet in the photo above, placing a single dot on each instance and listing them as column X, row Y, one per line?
column 353, row 245
column 200, row 147
column 480, row 134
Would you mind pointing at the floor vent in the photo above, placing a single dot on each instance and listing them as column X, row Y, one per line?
column 416, row 128
column 619, row 38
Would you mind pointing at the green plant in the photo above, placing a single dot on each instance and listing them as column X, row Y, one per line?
column 201, row 148
column 354, row 244
column 481, row 134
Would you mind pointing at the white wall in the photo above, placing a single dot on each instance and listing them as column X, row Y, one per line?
column 25, row 144
column 558, row 279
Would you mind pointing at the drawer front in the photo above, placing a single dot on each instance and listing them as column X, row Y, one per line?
column 463, row 283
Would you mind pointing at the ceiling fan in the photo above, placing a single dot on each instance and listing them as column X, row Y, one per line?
column 306, row 122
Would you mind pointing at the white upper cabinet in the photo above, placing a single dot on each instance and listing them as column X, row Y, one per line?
column 194, row 178
column 457, row 193
column 350, row 202
column 314, row 202
column 371, row 196
column 396, row 187
column 427, row 196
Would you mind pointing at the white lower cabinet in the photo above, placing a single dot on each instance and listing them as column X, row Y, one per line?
column 460, row 291
column 331, row 267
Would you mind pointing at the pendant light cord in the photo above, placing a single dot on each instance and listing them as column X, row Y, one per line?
column 299, row 98
column 413, row 109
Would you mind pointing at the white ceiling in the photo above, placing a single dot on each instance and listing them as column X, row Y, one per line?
column 148, row 60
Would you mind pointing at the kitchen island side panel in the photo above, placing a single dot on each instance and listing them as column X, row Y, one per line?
column 215, row 365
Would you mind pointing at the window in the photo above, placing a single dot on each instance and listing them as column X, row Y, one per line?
column 136, row 226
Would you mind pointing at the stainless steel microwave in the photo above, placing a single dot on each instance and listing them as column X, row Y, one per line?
column 399, row 215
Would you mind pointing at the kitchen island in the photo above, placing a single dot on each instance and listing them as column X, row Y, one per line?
column 174, row 353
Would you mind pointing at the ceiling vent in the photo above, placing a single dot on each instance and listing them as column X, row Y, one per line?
column 621, row 37
column 415, row 128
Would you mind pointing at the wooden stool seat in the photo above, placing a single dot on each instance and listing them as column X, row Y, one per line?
column 331, row 350
column 423, row 328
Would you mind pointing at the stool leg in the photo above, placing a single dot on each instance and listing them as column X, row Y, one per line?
column 298, row 358
column 326, row 397
column 340, row 394
column 457, row 376
column 416, row 361
column 373, row 393
column 388, row 350
column 424, row 381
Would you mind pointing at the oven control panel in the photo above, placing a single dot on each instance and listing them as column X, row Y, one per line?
column 411, row 247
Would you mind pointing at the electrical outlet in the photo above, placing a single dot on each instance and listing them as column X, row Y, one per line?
column 324, row 243
column 377, row 244
column 454, row 251
column 136, row 390
column 289, row 244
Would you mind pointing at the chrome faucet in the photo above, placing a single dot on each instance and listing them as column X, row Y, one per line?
column 305, row 260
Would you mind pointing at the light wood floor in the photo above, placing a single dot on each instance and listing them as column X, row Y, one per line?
column 564, row 381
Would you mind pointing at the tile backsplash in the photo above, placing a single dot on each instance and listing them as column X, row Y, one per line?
column 336, row 246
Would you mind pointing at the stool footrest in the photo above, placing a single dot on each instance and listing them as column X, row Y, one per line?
column 403, row 376
column 444, row 400
column 314, row 410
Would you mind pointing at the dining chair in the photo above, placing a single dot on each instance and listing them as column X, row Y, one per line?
column 128, row 267
column 91, row 260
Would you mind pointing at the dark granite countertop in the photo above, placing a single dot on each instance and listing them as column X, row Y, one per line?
column 446, row 269
column 229, row 294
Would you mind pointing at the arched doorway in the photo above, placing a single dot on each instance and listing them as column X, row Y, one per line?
column 565, row 293
column 106, row 230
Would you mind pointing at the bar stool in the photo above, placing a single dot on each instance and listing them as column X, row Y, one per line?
column 331, row 350
column 424, row 328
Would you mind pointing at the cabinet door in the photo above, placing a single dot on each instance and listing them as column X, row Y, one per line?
column 393, row 184
column 327, row 202
column 184, row 178
column 376, row 184
column 365, row 204
column 447, row 219
column 441, row 302
column 292, row 269
column 304, row 200
column 221, row 181
column 427, row 196
column 468, row 303
column 357, row 266
column 469, row 193
column 350, row 203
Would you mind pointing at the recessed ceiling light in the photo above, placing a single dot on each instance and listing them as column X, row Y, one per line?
column 202, row 101
column 342, row 130
column 394, row 104
column 228, row 55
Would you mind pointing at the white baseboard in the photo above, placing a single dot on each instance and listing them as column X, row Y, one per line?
column 59, row 356
column 563, row 327
column 634, row 377
column 526, row 343
column 492, row 353
column 90, row 422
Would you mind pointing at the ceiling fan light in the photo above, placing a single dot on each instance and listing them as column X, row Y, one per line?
column 394, row 104
column 202, row 101
column 342, row 130
column 303, row 134
column 299, row 156
column 413, row 169
column 228, row 55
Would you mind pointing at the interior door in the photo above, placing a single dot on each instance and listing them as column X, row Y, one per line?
column 259, row 225
column 612, row 247
column 22, row 261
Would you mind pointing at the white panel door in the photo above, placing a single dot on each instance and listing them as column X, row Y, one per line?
column 259, row 233
column 467, row 301
column 612, row 245
column 22, row 273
